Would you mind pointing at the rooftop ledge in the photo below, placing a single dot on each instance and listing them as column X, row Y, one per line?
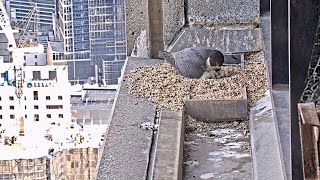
column 131, row 152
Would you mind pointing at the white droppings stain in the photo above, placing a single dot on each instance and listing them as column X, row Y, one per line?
column 219, row 132
column 207, row 175
column 201, row 135
column 190, row 142
column 263, row 103
column 225, row 138
column 214, row 159
column 229, row 154
column 191, row 163
column 234, row 145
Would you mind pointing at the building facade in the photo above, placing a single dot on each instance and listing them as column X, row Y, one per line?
column 93, row 37
column 45, row 99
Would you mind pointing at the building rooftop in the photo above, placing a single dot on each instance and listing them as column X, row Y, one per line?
column 55, row 137
column 56, row 46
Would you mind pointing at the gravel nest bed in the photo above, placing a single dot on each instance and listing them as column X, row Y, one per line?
column 162, row 84
column 193, row 126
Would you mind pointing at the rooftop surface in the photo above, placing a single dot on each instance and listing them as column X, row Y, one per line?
column 56, row 137
column 56, row 46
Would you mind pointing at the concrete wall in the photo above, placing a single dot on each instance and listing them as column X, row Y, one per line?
column 36, row 59
column 141, row 15
column 173, row 19
column 136, row 21
column 24, row 169
column 81, row 163
column 303, row 23
column 223, row 12
column 164, row 23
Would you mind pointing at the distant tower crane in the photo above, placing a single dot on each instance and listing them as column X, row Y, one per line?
column 24, row 24
column 17, row 58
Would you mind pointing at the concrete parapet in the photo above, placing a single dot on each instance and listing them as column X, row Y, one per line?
column 224, row 40
column 164, row 20
column 169, row 152
column 126, row 150
column 224, row 12
column 267, row 160
column 136, row 21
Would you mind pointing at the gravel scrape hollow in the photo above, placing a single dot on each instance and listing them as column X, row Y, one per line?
column 162, row 85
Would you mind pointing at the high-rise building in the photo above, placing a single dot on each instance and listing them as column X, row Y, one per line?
column 93, row 37
column 27, row 12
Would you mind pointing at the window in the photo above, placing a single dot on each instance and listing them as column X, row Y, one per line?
column 36, row 107
column 0, row 98
column 60, row 115
column 36, row 75
column 25, row 98
column 35, row 95
column 0, row 116
column 59, row 97
column 25, row 116
column 35, row 56
column 47, row 97
column 0, row 107
column 54, row 107
column 11, row 116
column 48, row 115
column 36, row 117
column 11, row 107
column 11, row 98
column 25, row 107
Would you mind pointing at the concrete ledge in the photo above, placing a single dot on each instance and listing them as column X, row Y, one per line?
column 216, row 110
column 169, row 152
column 127, row 147
column 225, row 40
column 267, row 157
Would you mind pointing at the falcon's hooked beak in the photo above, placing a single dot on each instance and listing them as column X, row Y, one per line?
column 212, row 67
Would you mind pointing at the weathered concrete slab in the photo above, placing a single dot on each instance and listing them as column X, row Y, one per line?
column 173, row 19
column 169, row 153
column 216, row 110
column 224, row 11
column 281, row 104
column 136, row 21
column 161, row 20
column 126, row 146
column 224, row 40
column 267, row 157
column 155, row 27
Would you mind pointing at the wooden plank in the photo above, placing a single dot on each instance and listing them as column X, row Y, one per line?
column 308, row 114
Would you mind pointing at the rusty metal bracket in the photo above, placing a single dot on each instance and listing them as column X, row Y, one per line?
column 309, row 127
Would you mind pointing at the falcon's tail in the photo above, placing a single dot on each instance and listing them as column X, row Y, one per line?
column 167, row 56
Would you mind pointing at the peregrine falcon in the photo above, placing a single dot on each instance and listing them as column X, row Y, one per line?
column 193, row 62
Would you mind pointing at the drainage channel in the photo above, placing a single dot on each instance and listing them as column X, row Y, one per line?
column 217, row 150
column 154, row 141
